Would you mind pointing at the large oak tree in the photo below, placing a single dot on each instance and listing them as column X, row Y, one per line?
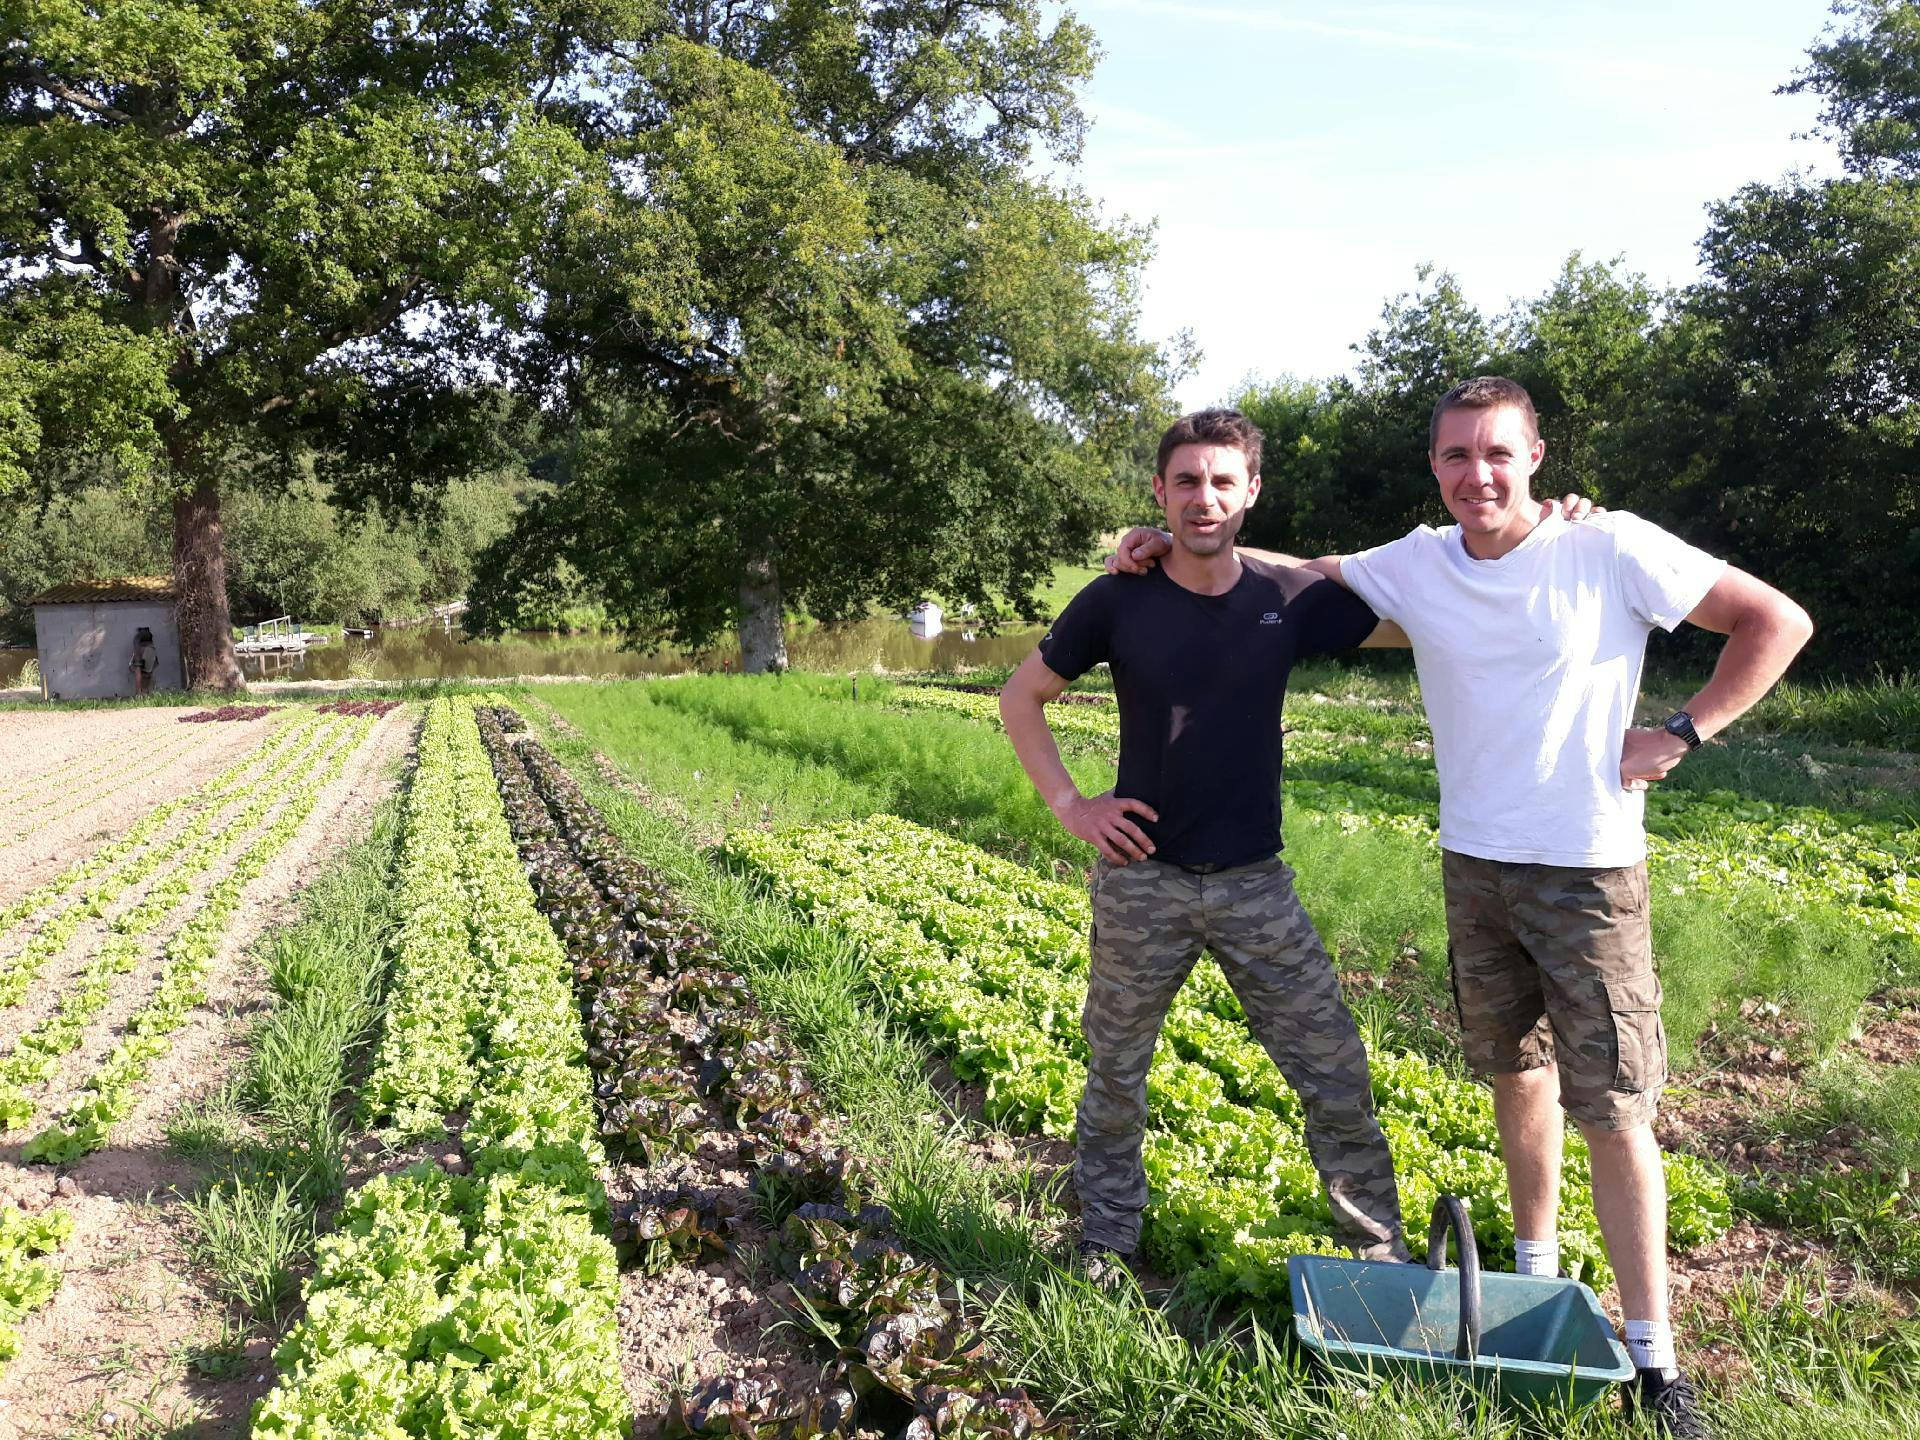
column 229, row 229
column 833, row 336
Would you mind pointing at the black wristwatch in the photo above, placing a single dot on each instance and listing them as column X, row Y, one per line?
column 1681, row 724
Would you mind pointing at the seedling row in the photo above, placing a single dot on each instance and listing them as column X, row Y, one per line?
column 35, row 1055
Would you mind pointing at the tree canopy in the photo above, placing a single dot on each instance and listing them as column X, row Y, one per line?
column 294, row 225
column 829, row 339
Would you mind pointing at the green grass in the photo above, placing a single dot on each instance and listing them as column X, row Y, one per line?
column 1067, row 582
column 273, row 1146
column 252, row 1238
column 797, row 749
column 1875, row 1108
column 1870, row 1213
column 1883, row 713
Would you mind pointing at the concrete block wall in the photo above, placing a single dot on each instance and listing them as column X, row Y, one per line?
column 86, row 651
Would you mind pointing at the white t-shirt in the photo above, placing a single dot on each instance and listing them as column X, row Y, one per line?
column 1530, row 666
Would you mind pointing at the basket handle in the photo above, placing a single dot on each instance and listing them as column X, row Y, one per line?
column 1450, row 1214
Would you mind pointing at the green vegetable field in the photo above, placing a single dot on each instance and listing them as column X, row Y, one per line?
column 697, row 1057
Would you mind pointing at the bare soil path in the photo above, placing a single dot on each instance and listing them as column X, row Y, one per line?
column 112, row 1353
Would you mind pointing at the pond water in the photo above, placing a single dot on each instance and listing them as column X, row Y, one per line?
column 429, row 652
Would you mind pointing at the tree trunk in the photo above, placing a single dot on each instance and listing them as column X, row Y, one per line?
column 763, row 635
column 200, row 585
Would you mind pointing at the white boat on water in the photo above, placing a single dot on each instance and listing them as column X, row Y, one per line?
column 925, row 619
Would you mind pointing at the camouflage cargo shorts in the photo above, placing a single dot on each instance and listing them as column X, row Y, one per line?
column 1554, row 964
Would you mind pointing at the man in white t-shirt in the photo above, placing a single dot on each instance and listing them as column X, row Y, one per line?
column 1529, row 635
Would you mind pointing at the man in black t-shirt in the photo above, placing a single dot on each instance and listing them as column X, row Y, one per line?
column 1200, row 649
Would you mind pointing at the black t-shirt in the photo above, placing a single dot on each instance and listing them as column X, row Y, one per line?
column 1200, row 680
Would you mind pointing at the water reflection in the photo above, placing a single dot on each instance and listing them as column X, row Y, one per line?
column 431, row 652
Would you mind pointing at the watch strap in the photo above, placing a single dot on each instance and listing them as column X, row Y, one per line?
column 1680, row 723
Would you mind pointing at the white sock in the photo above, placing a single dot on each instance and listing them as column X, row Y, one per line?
column 1536, row 1257
column 1650, row 1345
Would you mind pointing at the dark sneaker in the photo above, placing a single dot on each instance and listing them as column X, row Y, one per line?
column 1103, row 1265
column 1672, row 1404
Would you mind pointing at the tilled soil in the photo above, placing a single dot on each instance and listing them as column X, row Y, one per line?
column 53, row 810
column 121, row 1333
column 728, row 1317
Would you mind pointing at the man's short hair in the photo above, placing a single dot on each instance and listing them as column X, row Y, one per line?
column 1484, row 392
column 1212, row 427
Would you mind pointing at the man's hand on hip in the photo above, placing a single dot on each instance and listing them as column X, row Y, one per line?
column 1648, row 755
column 1101, row 821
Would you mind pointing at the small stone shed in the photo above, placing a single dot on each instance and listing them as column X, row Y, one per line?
column 86, row 631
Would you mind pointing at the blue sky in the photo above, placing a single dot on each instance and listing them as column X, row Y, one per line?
column 1301, row 160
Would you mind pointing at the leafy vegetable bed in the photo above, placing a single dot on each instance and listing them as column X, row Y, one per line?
column 226, row 713
column 121, row 773
column 107, row 1096
column 26, row 1281
column 34, row 1056
column 479, row 1303
column 989, row 960
column 357, row 707
column 906, row 1356
column 99, row 871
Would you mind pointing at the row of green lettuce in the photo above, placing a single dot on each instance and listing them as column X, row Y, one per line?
column 288, row 783
column 483, row 1302
column 139, row 761
column 27, row 1278
column 1717, row 840
column 50, row 914
column 988, row 960
column 95, row 877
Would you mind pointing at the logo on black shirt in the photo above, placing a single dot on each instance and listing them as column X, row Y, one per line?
column 1272, row 617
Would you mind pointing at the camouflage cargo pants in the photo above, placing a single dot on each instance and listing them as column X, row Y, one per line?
column 1150, row 922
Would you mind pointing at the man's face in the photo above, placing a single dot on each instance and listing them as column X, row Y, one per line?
column 1484, row 461
column 1205, row 493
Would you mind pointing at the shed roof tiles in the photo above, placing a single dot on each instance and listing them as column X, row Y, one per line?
column 103, row 592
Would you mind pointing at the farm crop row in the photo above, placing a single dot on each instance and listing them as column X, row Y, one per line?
column 226, row 713
column 482, row 1302
column 707, row 757
column 27, row 1280
column 186, row 852
column 97, row 869
column 906, row 1356
column 84, row 769
column 1715, row 839
column 35, row 1054
column 119, row 774
column 988, row 959
column 107, row 1096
